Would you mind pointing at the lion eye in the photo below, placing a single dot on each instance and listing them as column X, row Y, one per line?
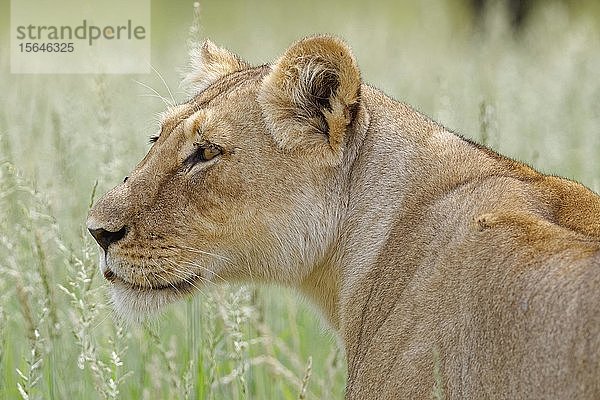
column 203, row 153
column 209, row 152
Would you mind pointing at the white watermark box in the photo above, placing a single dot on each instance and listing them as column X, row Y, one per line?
column 80, row 36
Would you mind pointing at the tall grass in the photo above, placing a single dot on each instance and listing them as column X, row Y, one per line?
column 65, row 139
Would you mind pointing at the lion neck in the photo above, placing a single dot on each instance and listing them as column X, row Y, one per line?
column 355, row 282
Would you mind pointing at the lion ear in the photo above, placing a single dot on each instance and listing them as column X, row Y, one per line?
column 209, row 63
column 311, row 96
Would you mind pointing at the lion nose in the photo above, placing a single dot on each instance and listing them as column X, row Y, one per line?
column 106, row 238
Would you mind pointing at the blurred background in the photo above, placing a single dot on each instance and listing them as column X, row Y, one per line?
column 522, row 77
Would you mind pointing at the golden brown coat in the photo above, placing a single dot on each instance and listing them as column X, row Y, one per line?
column 443, row 266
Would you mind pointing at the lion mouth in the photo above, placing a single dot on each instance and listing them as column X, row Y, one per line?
column 181, row 287
column 109, row 275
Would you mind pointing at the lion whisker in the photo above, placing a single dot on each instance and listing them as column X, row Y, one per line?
column 164, row 83
column 187, row 280
column 164, row 99
column 146, row 276
column 164, row 279
column 195, row 264
column 193, row 250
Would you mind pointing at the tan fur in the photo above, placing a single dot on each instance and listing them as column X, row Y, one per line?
column 208, row 63
column 442, row 265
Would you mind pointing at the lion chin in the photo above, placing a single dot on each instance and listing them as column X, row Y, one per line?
column 134, row 305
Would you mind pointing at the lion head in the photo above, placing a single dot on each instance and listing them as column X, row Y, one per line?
column 244, row 181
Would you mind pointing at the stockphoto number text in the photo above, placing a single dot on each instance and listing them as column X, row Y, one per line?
column 46, row 47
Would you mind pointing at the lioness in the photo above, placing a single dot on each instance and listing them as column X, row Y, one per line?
column 436, row 260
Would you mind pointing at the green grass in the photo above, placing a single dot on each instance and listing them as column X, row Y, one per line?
column 66, row 139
